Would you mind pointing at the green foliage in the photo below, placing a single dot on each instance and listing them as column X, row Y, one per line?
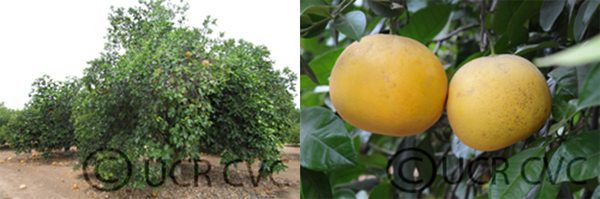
column 146, row 97
column 45, row 122
column 292, row 136
column 6, row 115
column 561, row 36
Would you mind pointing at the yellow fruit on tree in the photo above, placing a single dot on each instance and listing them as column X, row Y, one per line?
column 188, row 54
column 205, row 63
column 389, row 85
column 493, row 102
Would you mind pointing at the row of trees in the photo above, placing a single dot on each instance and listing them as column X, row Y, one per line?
column 162, row 91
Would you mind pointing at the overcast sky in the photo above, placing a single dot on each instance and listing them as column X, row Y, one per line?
column 57, row 38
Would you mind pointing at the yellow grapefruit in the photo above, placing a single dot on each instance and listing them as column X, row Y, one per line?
column 388, row 84
column 496, row 101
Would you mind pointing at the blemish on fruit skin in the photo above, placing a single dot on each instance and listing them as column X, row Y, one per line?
column 386, row 79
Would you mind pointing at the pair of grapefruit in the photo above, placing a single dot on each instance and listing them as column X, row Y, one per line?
column 396, row 86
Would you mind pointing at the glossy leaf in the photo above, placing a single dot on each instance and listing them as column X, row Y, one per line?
column 382, row 190
column 549, row 12
column 321, row 66
column 315, row 184
column 526, row 10
column 529, row 48
column 324, row 142
column 596, row 194
column 306, row 70
column 518, row 175
column 426, row 23
column 589, row 94
column 505, row 10
column 348, row 175
column 581, row 153
column 383, row 8
column 352, row 24
column 583, row 18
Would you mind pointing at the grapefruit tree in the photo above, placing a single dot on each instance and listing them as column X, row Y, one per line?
column 166, row 92
column 522, row 78
column 45, row 123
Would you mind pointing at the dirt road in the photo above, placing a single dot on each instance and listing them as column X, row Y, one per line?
column 43, row 179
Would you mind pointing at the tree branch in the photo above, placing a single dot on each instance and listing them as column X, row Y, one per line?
column 456, row 31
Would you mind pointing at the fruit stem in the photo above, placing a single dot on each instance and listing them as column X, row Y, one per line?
column 487, row 34
column 392, row 26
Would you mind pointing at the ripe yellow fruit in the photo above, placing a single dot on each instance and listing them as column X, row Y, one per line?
column 153, row 194
column 493, row 102
column 188, row 54
column 205, row 63
column 75, row 186
column 22, row 161
column 1, row 161
column 53, row 163
column 388, row 84
column 9, row 159
column 60, row 163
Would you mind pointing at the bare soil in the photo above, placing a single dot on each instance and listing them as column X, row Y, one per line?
column 56, row 178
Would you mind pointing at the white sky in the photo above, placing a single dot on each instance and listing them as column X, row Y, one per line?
column 57, row 38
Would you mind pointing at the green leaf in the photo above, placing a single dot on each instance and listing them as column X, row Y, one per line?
column 344, row 194
column 529, row 48
column 526, row 10
column 383, row 8
column 517, row 174
column 306, row 4
column 321, row 66
column 581, row 153
column 549, row 12
column 348, row 175
column 585, row 53
column 589, row 94
column 505, row 10
column 352, row 24
column 306, row 70
column 426, row 23
column 481, row 196
column 382, row 190
column 564, row 107
column 571, row 79
column 461, row 150
column 596, row 194
column 375, row 160
column 324, row 142
column 582, row 20
column 313, row 20
column 314, row 184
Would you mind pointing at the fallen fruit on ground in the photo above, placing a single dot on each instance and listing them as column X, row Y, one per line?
column 23, row 186
column 388, row 84
column 496, row 101
column 9, row 159
column 75, row 186
column 154, row 194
